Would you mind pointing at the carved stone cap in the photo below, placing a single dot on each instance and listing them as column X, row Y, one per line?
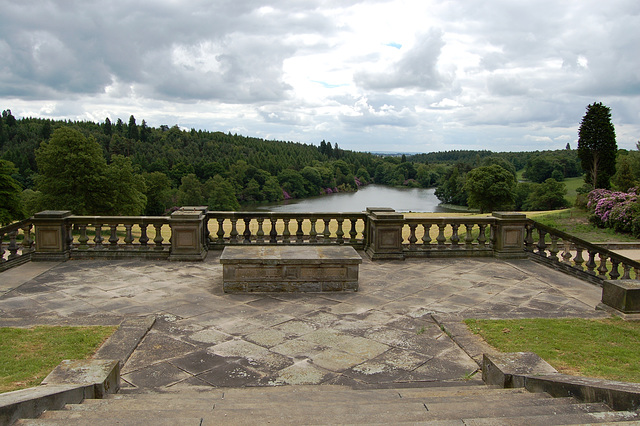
column 509, row 215
column 52, row 214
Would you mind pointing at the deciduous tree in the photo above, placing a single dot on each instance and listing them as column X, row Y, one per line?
column 490, row 188
column 10, row 191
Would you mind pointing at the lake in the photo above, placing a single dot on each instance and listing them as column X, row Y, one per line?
column 400, row 199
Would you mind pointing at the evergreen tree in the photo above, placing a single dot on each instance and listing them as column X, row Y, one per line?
column 132, row 129
column 597, row 145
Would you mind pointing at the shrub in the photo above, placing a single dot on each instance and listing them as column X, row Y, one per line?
column 615, row 209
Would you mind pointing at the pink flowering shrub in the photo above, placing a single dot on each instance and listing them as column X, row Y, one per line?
column 286, row 195
column 614, row 209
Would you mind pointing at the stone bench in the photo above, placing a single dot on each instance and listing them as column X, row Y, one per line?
column 289, row 269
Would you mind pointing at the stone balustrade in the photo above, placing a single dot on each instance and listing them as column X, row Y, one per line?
column 381, row 232
column 576, row 256
column 19, row 245
column 265, row 228
column 118, row 236
column 445, row 236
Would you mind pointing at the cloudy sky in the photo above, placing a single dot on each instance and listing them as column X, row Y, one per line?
column 370, row 75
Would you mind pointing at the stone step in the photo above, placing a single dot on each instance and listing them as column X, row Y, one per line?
column 440, row 403
column 347, row 412
column 333, row 404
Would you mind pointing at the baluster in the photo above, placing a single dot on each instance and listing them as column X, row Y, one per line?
column 626, row 274
column 326, row 233
column 591, row 262
column 299, row 232
column 273, row 233
column 13, row 245
column 158, row 238
column 493, row 235
column 468, row 238
column 113, row 239
column 455, row 239
column 553, row 251
column 69, row 241
column 602, row 269
column 313, row 234
column 98, row 237
column 566, row 253
column 542, row 245
column 247, row 231
column 528, row 239
column 27, row 242
column 441, row 238
column 285, row 233
column 426, row 238
column 482, row 234
column 234, row 231
column 615, row 273
column 220, row 232
column 128, row 238
column 637, row 273
column 83, row 239
column 412, row 236
column 144, row 239
column 352, row 232
column 340, row 232
column 578, row 260
column 260, row 233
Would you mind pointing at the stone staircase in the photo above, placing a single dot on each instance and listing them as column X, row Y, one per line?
column 462, row 404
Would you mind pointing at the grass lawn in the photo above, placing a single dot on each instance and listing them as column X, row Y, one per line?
column 575, row 221
column 27, row 355
column 605, row 348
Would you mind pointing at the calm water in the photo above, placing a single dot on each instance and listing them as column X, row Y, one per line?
column 400, row 199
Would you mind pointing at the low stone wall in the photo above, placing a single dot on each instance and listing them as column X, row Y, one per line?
column 290, row 269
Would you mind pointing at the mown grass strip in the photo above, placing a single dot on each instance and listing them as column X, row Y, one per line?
column 606, row 349
column 27, row 355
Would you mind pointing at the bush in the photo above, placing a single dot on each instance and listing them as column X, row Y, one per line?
column 614, row 209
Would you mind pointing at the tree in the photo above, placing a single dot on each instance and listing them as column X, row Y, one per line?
column 158, row 192
column 126, row 189
column 190, row 191
column 72, row 173
column 548, row 195
column 490, row 188
column 597, row 146
column 10, row 194
column 624, row 179
column 222, row 196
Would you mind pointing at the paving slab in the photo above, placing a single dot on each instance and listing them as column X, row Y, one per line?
column 382, row 335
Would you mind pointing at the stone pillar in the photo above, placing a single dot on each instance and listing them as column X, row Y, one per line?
column 51, row 236
column 205, row 227
column 509, row 235
column 384, row 233
column 187, row 235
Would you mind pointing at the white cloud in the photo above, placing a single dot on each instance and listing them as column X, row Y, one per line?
column 371, row 74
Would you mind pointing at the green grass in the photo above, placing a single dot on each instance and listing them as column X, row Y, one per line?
column 575, row 221
column 27, row 355
column 605, row 348
column 572, row 185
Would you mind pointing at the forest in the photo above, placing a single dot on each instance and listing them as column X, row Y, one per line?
column 131, row 168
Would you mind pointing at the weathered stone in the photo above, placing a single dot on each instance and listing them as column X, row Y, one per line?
column 622, row 295
column 290, row 269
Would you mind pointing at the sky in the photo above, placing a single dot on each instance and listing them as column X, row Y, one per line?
column 370, row 75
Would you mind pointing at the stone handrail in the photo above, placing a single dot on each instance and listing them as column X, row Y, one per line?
column 266, row 228
column 576, row 256
column 16, row 251
column 92, row 235
column 434, row 236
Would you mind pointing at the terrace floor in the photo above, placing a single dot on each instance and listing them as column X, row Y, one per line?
column 385, row 334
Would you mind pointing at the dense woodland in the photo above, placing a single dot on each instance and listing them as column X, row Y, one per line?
column 131, row 168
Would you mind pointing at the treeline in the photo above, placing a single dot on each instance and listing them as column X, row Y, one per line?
column 170, row 166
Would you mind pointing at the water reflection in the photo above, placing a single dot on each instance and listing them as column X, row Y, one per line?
column 401, row 199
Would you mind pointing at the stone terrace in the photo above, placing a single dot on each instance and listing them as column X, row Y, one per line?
column 386, row 334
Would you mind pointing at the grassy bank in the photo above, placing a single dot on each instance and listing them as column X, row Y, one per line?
column 604, row 349
column 27, row 355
